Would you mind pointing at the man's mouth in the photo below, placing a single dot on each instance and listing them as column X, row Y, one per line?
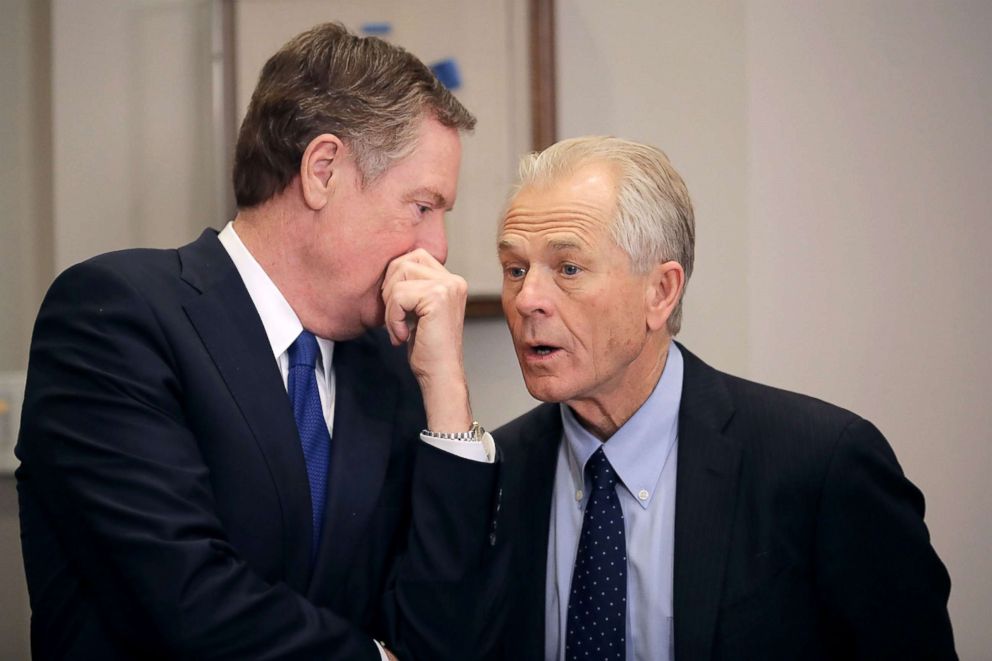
column 540, row 351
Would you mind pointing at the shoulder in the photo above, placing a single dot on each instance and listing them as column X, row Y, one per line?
column 771, row 424
column 757, row 403
column 152, row 271
column 119, row 285
column 768, row 405
column 116, row 276
column 138, row 265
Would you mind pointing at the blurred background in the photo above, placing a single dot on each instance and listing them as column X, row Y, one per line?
column 838, row 155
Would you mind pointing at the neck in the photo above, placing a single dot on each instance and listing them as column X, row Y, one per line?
column 281, row 238
column 603, row 415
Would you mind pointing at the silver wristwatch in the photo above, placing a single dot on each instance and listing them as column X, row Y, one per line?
column 474, row 434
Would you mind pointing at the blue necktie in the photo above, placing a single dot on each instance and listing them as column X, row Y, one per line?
column 316, row 442
column 597, row 605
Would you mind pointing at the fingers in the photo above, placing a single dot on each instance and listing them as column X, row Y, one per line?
column 411, row 272
column 415, row 265
column 418, row 266
column 418, row 257
column 425, row 307
column 396, row 322
column 410, row 300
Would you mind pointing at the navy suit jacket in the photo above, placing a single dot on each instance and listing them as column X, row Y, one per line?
column 796, row 534
column 164, row 504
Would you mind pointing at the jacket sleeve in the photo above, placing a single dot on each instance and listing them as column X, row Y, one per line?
column 112, row 471
column 448, row 597
column 881, row 580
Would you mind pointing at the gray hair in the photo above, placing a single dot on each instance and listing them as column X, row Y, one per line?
column 654, row 220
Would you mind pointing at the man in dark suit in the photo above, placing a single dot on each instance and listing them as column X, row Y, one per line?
column 655, row 508
column 175, row 503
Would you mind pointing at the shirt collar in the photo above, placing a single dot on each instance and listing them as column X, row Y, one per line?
column 638, row 450
column 281, row 324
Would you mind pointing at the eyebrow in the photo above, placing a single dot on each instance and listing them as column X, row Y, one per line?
column 559, row 245
column 436, row 198
column 564, row 244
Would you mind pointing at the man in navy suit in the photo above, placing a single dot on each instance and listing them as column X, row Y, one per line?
column 655, row 508
column 223, row 455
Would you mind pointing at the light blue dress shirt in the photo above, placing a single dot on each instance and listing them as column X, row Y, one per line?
column 643, row 454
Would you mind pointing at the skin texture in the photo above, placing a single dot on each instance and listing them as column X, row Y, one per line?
column 343, row 254
column 568, row 287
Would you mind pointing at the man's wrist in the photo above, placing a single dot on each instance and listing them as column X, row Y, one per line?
column 447, row 405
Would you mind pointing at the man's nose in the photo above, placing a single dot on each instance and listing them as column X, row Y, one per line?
column 433, row 239
column 534, row 296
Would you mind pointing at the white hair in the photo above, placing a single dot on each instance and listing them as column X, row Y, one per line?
column 654, row 220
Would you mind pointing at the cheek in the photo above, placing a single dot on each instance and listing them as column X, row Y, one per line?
column 621, row 333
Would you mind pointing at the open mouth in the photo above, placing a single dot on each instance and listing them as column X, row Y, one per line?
column 542, row 350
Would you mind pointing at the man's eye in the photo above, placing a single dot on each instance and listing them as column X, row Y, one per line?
column 515, row 272
column 423, row 209
column 570, row 269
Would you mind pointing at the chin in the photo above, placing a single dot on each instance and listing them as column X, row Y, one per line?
column 541, row 390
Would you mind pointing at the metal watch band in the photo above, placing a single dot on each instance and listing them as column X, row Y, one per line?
column 474, row 434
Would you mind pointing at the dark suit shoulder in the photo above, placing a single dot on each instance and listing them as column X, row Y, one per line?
column 137, row 265
column 776, row 404
column 112, row 278
column 791, row 435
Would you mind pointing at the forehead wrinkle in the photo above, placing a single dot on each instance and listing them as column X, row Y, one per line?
column 574, row 232
column 572, row 208
column 543, row 221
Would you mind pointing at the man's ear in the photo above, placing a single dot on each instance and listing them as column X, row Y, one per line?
column 664, row 290
column 321, row 159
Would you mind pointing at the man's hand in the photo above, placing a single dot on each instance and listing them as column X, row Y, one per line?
column 425, row 307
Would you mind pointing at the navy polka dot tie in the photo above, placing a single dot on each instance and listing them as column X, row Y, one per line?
column 316, row 442
column 597, row 605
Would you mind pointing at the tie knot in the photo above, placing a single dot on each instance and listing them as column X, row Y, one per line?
column 304, row 351
column 600, row 471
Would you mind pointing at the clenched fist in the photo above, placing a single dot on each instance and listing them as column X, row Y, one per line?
column 425, row 307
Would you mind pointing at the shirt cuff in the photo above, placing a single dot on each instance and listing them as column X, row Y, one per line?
column 483, row 450
column 382, row 650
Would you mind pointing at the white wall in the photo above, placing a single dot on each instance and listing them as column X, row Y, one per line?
column 134, row 153
column 25, row 192
column 25, row 261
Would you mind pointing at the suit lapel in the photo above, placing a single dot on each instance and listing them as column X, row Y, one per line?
column 538, row 454
column 229, row 327
column 705, row 498
column 364, row 411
